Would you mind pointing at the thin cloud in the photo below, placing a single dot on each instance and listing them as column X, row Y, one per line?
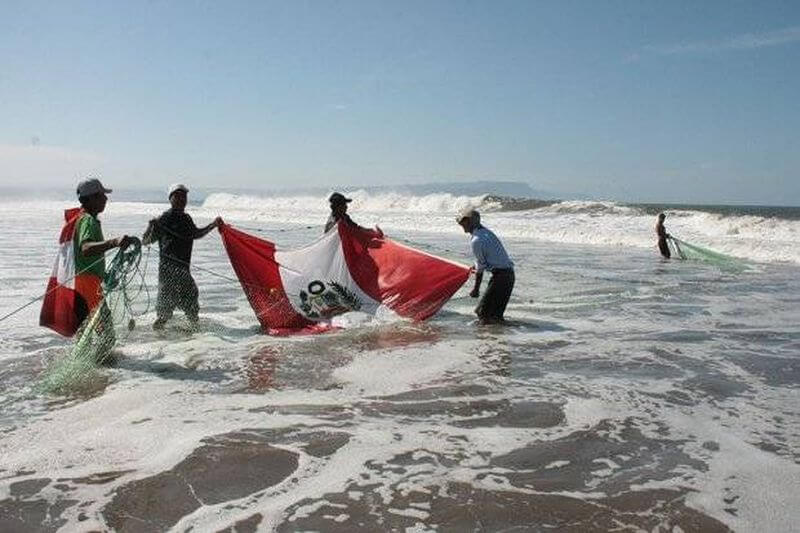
column 39, row 163
column 747, row 41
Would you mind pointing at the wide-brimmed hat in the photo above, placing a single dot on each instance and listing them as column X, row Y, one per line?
column 91, row 186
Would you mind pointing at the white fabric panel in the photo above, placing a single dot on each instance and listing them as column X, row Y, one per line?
column 64, row 269
column 323, row 260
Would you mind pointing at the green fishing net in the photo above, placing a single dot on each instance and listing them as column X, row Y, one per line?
column 685, row 250
column 78, row 370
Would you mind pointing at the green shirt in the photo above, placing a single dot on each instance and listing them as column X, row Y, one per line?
column 88, row 230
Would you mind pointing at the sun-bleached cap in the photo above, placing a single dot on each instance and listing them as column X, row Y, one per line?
column 90, row 186
column 468, row 212
column 175, row 187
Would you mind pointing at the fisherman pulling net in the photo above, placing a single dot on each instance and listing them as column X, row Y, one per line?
column 96, row 337
column 670, row 245
column 84, row 297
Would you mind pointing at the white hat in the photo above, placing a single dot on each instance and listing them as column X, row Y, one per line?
column 91, row 186
column 175, row 187
column 469, row 212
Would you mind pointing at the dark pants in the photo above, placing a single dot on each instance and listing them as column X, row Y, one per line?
column 176, row 289
column 494, row 301
column 663, row 247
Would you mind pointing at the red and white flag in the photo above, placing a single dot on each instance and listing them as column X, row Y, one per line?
column 64, row 307
column 345, row 270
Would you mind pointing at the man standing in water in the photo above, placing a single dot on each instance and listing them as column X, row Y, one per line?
column 661, row 231
column 489, row 255
column 175, row 232
column 339, row 212
column 90, row 266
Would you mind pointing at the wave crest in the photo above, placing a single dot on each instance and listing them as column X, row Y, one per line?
column 392, row 202
column 599, row 223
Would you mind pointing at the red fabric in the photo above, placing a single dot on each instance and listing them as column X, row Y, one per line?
column 64, row 308
column 71, row 217
column 410, row 282
column 253, row 260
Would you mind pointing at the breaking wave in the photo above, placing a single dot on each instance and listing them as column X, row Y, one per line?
column 769, row 234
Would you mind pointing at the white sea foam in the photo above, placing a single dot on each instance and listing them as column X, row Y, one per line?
column 754, row 238
column 362, row 201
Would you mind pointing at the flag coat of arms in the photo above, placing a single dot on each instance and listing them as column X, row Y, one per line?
column 70, row 295
column 345, row 270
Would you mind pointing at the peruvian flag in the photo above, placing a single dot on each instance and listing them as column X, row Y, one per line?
column 347, row 269
column 64, row 308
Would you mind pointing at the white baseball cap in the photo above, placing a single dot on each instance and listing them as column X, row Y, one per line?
column 175, row 187
column 468, row 212
column 91, row 186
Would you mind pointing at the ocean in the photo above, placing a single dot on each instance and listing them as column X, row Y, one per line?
column 627, row 392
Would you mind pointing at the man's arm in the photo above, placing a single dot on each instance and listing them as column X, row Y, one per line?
column 376, row 233
column 480, row 265
column 93, row 248
column 151, row 233
column 476, row 291
column 199, row 233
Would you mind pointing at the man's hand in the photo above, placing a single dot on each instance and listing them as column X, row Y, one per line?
column 123, row 242
column 147, row 237
column 474, row 293
column 218, row 222
column 378, row 232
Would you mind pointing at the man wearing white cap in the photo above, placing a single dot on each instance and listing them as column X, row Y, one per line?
column 90, row 266
column 175, row 232
column 489, row 255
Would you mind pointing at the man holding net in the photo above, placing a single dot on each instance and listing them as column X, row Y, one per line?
column 661, row 233
column 90, row 266
column 175, row 232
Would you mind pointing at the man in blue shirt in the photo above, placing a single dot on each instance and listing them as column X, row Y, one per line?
column 489, row 255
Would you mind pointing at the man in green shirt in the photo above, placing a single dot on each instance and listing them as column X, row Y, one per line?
column 90, row 266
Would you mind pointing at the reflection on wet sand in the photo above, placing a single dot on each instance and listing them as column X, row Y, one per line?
column 260, row 369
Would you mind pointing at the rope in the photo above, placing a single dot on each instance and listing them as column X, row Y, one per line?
column 168, row 230
column 33, row 301
column 128, row 260
column 188, row 264
column 274, row 230
column 123, row 273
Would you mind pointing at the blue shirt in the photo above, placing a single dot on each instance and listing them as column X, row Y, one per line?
column 489, row 252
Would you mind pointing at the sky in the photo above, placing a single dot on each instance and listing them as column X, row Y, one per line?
column 679, row 101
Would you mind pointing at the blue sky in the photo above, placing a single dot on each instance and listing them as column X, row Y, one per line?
column 635, row 100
